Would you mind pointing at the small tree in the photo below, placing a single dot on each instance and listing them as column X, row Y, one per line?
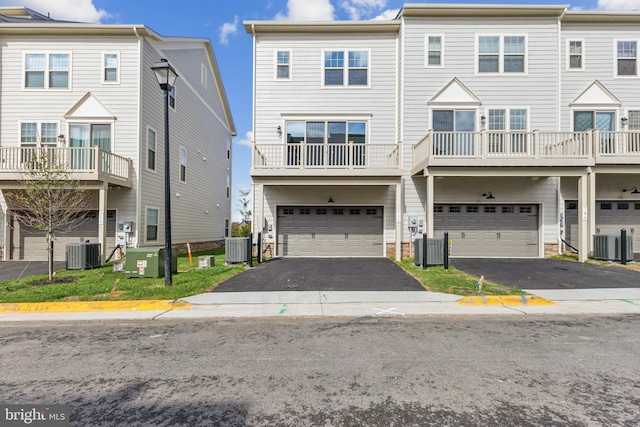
column 244, row 228
column 49, row 200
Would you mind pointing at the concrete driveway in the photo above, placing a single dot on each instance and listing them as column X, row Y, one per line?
column 548, row 273
column 10, row 270
column 322, row 274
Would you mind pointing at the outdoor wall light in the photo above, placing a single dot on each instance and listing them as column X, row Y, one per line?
column 483, row 121
column 330, row 200
column 633, row 190
column 623, row 122
column 488, row 195
column 279, row 130
column 61, row 139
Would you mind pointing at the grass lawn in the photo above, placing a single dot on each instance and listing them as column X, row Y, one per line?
column 96, row 284
column 454, row 281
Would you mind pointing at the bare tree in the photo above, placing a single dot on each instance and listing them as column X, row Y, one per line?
column 245, row 213
column 49, row 199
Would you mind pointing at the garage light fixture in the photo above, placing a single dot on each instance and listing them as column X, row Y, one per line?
column 633, row 190
column 488, row 195
column 330, row 200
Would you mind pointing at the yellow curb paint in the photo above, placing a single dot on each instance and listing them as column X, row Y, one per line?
column 87, row 306
column 505, row 300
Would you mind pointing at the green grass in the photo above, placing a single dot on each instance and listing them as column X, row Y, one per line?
column 96, row 284
column 454, row 281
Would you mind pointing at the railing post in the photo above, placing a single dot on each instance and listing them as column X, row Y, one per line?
column 595, row 143
column 484, row 144
column 536, row 144
column 429, row 144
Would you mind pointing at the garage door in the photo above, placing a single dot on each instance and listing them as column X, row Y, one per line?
column 611, row 217
column 500, row 231
column 330, row 231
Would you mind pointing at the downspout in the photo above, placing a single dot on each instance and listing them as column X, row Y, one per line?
column 560, row 212
column 256, row 224
column 138, row 183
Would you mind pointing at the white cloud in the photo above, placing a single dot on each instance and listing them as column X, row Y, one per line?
column 65, row 10
column 247, row 141
column 358, row 9
column 308, row 10
column 387, row 15
column 227, row 29
column 619, row 5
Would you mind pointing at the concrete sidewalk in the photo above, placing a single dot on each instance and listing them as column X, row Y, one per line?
column 337, row 303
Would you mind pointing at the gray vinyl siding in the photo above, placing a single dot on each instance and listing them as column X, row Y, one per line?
column 536, row 90
column 304, row 93
column 600, row 57
column 199, row 212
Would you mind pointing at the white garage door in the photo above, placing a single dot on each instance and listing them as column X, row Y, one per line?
column 611, row 217
column 330, row 231
column 500, row 231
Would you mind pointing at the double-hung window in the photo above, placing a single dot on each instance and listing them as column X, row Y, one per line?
column 502, row 54
column 575, row 52
column 507, row 130
column 46, row 71
column 183, row 164
column 627, row 58
column 152, row 224
column 283, row 65
column 434, row 57
column 172, row 97
column 151, row 149
column 356, row 68
column 111, row 68
column 37, row 134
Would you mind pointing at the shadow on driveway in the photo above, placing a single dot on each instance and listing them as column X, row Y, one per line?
column 322, row 274
column 548, row 273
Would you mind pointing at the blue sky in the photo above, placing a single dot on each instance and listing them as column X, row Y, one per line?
column 221, row 22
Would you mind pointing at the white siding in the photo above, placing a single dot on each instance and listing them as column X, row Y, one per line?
column 198, row 213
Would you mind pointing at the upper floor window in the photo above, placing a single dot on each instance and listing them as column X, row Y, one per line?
column 152, row 224
column 183, row 164
column 513, row 120
column 204, row 76
column 151, row 150
column 627, row 58
column 434, row 56
column 34, row 134
column 283, row 64
column 46, row 71
column 110, row 64
column 357, row 68
column 501, row 54
column 633, row 120
column 228, row 186
column 228, row 149
column 172, row 98
column 575, row 60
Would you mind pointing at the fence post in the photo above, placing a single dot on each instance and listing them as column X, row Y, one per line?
column 446, row 250
column 250, row 250
column 259, row 247
column 424, row 250
column 623, row 246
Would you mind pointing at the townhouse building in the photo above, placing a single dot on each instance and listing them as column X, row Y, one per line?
column 512, row 127
column 85, row 95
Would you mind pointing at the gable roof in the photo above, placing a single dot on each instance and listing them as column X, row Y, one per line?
column 455, row 93
column 596, row 95
column 89, row 107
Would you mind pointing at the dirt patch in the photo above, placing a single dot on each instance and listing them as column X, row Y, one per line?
column 55, row 281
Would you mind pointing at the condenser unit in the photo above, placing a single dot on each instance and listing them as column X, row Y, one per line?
column 81, row 256
column 435, row 252
column 608, row 247
column 236, row 249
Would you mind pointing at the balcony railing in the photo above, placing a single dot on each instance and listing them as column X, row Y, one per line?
column 319, row 157
column 89, row 163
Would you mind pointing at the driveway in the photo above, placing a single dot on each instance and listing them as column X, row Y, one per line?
column 322, row 274
column 10, row 270
column 548, row 273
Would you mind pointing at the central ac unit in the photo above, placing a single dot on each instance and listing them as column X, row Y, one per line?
column 608, row 247
column 236, row 249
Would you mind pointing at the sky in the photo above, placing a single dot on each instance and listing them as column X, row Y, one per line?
column 221, row 22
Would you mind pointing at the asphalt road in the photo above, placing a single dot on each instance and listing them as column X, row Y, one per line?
column 378, row 371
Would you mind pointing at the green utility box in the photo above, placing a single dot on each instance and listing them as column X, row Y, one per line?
column 148, row 262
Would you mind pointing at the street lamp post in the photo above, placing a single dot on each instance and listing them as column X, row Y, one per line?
column 166, row 76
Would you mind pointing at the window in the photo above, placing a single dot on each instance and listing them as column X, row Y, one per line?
column 372, row 211
column 226, row 227
column 438, row 209
column 46, row 71
column 152, row 224
column 172, row 98
column 35, row 134
column 183, row 164
column 525, row 209
column 472, row 209
column 287, row 211
column 357, row 68
column 305, row 211
column 605, row 206
column 633, row 120
column 501, row 54
column 90, row 135
column 283, row 65
column 321, row 211
column 454, row 209
column 575, row 60
column 354, row 211
column 623, row 206
column 204, row 76
column 151, row 149
column 627, row 58
column 507, row 209
column 228, row 149
column 338, row 211
column 228, row 186
column 489, row 209
column 110, row 62
column 512, row 120
column 434, row 57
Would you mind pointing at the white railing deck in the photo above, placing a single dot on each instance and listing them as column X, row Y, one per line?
column 539, row 148
column 82, row 163
column 329, row 157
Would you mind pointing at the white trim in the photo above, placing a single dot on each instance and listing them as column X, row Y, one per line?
column 46, row 54
column 155, row 162
column 38, row 124
column 345, row 69
column 501, row 54
column 204, row 76
column 615, row 59
column 568, row 56
column 275, row 65
column 507, row 117
column 103, row 69
column 426, row 51
column 146, row 224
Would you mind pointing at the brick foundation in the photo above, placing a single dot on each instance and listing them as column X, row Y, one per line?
column 550, row 249
column 199, row 246
column 391, row 250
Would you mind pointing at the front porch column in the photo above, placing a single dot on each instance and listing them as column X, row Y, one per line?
column 591, row 203
column 583, row 219
column 429, row 206
column 258, row 197
column 399, row 222
column 5, row 243
column 102, row 222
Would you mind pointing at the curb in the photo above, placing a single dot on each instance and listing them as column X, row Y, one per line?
column 505, row 300
column 92, row 306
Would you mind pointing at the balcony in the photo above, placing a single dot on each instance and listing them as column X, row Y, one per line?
column 617, row 148
column 84, row 164
column 304, row 159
